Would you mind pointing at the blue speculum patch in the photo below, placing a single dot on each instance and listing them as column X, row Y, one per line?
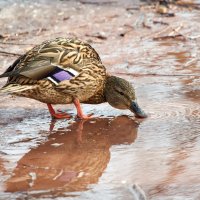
column 59, row 75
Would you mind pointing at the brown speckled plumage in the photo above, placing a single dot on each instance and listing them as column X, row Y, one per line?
column 31, row 69
column 28, row 77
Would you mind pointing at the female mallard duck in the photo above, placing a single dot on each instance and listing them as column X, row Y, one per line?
column 64, row 71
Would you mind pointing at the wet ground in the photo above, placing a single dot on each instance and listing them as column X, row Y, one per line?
column 113, row 155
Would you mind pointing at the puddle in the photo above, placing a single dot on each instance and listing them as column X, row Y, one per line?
column 113, row 156
column 71, row 159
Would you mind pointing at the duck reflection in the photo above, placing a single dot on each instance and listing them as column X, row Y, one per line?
column 74, row 158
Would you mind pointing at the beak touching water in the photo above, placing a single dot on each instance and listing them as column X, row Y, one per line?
column 137, row 110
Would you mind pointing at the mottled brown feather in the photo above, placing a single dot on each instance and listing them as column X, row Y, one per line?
column 32, row 68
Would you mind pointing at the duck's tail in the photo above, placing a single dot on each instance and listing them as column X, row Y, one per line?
column 15, row 88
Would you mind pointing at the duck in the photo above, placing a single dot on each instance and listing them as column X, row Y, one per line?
column 65, row 71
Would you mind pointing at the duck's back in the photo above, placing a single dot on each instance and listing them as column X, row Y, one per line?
column 67, row 66
column 60, row 52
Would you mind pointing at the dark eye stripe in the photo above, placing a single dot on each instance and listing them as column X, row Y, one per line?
column 123, row 94
column 118, row 91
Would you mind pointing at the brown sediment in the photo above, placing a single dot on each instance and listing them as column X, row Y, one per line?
column 105, row 159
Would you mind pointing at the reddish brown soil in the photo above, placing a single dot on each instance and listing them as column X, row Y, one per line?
column 103, row 157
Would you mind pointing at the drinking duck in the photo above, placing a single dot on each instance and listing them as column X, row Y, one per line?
column 64, row 71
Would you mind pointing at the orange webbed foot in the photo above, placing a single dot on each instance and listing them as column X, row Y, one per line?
column 84, row 117
column 59, row 115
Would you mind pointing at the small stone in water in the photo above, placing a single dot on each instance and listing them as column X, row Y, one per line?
column 57, row 144
column 80, row 174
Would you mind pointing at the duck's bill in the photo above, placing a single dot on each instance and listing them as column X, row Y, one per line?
column 137, row 110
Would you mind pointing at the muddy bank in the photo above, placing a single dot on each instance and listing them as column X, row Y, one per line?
column 105, row 156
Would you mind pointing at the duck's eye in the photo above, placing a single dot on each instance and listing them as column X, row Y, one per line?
column 121, row 93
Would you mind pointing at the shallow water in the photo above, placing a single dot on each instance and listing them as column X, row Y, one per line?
column 114, row 154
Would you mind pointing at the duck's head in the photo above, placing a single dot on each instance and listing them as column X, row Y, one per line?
column 120, row 94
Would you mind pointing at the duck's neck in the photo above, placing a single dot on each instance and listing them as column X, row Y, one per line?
column 100, row 96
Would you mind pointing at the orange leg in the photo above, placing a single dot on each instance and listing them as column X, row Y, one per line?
column 57, row 115
column 80, row 114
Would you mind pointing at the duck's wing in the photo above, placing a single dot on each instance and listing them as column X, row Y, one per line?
column 43, row 59
column 75, row 60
